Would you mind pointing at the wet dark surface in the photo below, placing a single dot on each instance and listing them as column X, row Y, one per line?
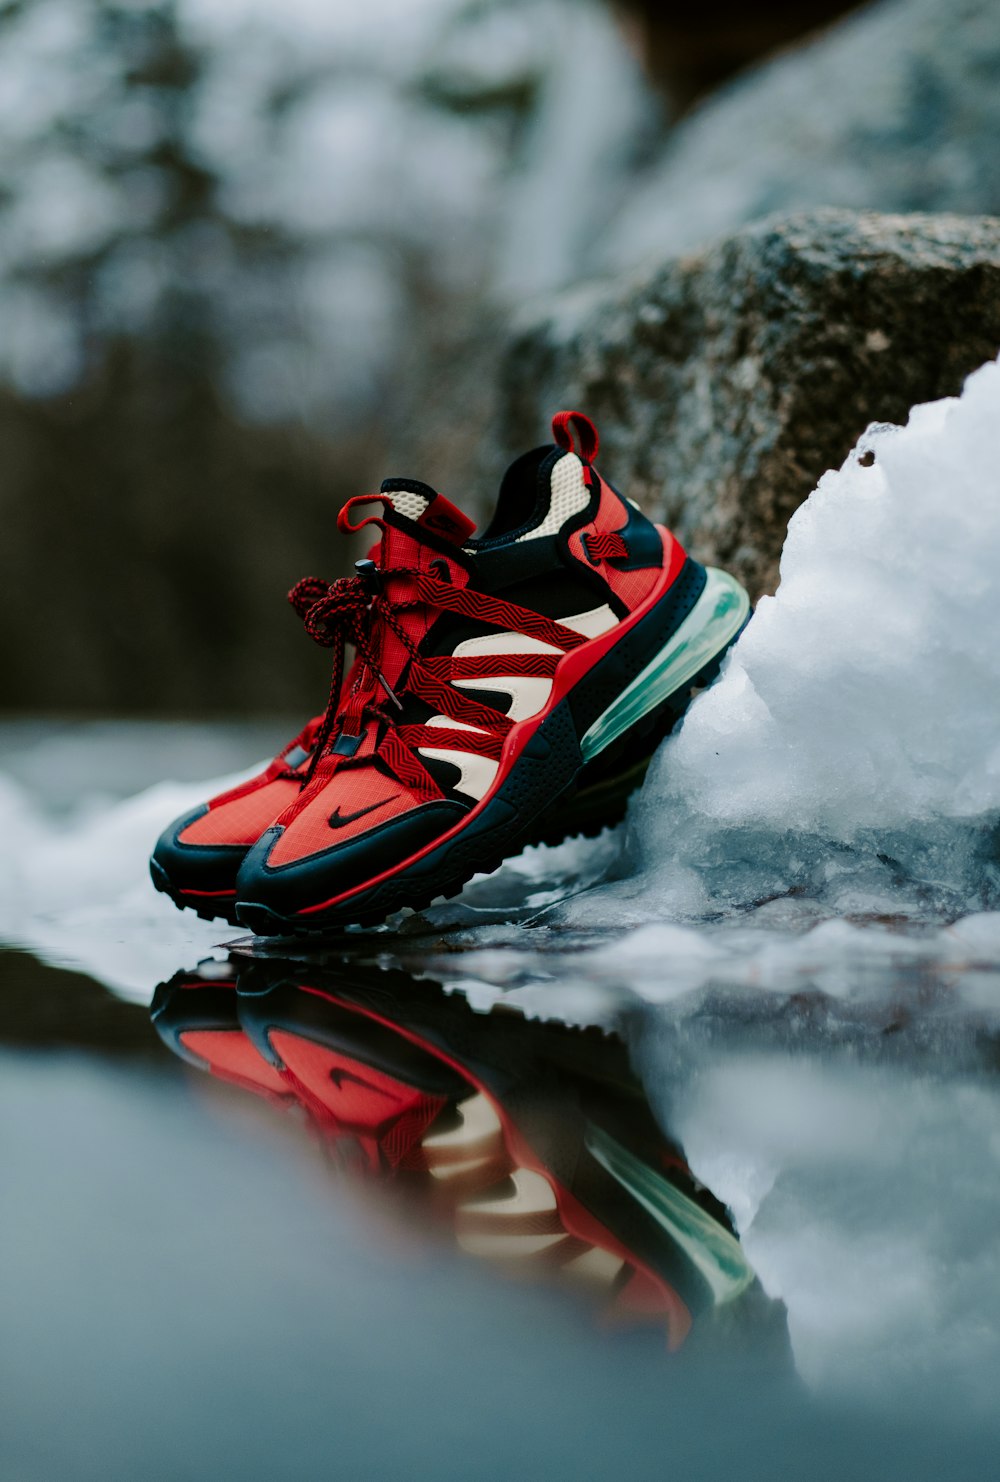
column 326, row 1220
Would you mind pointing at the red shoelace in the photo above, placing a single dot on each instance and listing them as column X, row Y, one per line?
column 360, row 610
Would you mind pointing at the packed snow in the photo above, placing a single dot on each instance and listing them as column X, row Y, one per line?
column 847, row 763
column 76, row 890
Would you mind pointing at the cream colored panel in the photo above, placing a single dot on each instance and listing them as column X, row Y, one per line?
column 528, row 693
column 477, row 772
column 478, row 1120
column 569, row 496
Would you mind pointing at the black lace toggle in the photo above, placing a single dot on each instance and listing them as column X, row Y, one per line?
column 371, row 577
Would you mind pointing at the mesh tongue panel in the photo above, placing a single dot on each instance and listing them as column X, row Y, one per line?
column 424, row 506
column 540, row 491
column 409, row 497
column 568, row 496
column 422, row 526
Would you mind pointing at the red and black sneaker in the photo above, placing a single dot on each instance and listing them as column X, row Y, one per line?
column 530, row 1144
column 196, row 860
column 492, row 675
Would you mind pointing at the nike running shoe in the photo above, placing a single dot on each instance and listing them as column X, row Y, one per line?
column 530, row 1144
column 492, row 676
column 197, row 859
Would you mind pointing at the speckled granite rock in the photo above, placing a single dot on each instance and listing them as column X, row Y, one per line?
column 725, row 384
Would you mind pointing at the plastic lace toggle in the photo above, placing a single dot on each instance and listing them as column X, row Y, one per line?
column 371, row 576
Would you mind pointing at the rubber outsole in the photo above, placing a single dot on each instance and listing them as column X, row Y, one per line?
column 595, row 806
column 546, row 777
column 161, row 882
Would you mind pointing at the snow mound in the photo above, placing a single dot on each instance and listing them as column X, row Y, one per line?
column 867, row 691
column 850, row 752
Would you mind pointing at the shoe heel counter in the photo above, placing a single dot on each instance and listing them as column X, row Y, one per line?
column 642, row 538
column 624, row 548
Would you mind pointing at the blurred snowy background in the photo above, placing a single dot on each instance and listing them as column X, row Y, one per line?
column 278, row 191
column 237, row 245
column 253, row 258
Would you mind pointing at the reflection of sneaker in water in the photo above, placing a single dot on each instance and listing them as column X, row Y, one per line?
column 493, row 677
column 531, row 1142
column 196, row 1017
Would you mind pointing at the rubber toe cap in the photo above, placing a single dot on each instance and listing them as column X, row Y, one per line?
column 272, row 899
column 198, row 868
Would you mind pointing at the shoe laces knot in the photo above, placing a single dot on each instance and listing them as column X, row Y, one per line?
column 362, row 610
column 354, row 610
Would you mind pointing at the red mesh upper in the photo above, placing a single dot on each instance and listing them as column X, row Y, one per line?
column 242, row 820
column 596, row 544
column 384, row 1114
column 230, row 1056
column 632, row 587
column 352, row 791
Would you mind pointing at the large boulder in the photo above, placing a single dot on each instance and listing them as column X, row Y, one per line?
column 724, row 384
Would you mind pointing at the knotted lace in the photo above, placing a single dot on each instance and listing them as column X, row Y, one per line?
column 348, row 611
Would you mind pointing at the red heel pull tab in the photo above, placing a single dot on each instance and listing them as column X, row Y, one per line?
column 564, row 424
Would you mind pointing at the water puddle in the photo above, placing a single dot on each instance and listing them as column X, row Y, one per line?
column 299, row 1201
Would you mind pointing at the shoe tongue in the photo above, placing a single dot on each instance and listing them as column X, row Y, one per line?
column 408, row 497
column 418, row 524
column 422, row 506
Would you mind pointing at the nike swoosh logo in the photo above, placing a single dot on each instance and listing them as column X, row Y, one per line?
column 338, row 819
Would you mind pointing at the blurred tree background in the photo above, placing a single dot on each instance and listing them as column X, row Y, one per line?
column 254, row 258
